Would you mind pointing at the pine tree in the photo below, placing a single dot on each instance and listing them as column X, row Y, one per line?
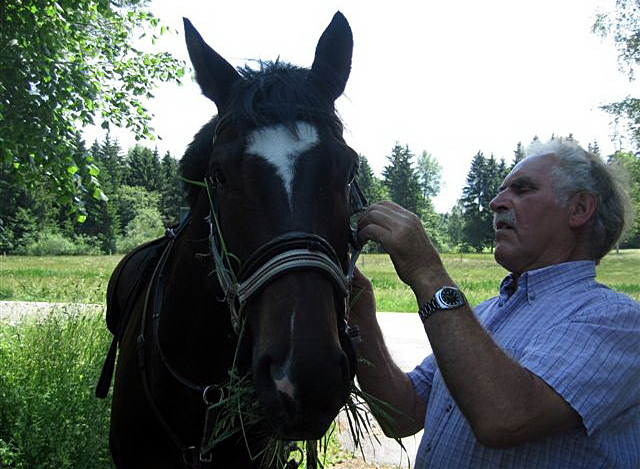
column 108, row 156
column 371, row 187
column 402, row 181
column 474, row 199
column 171, row 198
column 483, row 182
column 518, row 154
column 143, row 168
column 429, row 172
column 18, row 223
column 129, row 201
column 101, row 221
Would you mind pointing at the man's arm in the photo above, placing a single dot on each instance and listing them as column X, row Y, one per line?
column 378, row 374
column 504, row 403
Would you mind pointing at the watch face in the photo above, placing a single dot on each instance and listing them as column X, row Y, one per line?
column 451, row 297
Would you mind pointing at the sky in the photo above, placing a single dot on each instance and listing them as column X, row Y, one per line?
column 448, row 77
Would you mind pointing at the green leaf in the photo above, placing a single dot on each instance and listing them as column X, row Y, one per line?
column 98, row 194
column 73, row 61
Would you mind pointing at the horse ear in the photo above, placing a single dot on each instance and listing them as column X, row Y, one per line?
column 214, row 74
column 332, row 62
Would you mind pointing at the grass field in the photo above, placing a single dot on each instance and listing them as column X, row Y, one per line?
column 83, row 279
column 71, row 279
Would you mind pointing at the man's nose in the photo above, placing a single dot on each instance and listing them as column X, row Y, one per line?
column 499, row 202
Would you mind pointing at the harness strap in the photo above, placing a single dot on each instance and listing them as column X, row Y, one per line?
column 282, row 263
column 191, row 455
column 292, row 260
column 125, row 311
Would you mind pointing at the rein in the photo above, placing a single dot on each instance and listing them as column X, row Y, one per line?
column 192, row 456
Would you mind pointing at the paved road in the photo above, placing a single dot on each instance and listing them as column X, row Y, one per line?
column 14, row 311
column 407, row 341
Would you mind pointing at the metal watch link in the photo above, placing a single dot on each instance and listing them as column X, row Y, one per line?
column 444, row 298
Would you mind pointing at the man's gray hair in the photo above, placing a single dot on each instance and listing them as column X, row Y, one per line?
column 581, row 171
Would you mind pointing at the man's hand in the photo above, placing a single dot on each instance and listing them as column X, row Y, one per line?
column 401, row 234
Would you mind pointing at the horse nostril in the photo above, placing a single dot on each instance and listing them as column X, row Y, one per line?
column 285, row 386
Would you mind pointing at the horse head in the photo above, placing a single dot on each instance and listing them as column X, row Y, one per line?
column 279, row 178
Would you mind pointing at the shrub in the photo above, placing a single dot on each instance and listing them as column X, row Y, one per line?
column 145, row 226
column 53, row 243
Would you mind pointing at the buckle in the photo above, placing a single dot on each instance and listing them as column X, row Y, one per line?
column 192, row 457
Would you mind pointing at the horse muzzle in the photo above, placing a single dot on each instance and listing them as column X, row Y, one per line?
column 301, row 371
column 301, row 401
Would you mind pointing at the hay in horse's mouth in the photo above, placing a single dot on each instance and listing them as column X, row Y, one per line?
column 239, row 414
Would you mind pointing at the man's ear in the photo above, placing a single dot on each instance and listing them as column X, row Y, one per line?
column 582, row 206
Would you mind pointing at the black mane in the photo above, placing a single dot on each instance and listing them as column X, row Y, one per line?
column 274, row 93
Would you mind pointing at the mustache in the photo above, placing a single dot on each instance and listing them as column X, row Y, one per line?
column 508, row 217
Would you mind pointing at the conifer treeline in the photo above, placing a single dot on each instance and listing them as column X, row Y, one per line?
column 145, row 196
column 143, row 192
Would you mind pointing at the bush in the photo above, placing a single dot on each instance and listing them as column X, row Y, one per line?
column 49, row 416
column 53, row 243
column 145, row 226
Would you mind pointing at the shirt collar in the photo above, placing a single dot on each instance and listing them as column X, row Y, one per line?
column 552, row 278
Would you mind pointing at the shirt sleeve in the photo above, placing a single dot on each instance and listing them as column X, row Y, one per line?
column 593, row 362
column 422, row 376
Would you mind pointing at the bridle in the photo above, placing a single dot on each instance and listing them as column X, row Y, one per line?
column 285, row 253
column 288, row 252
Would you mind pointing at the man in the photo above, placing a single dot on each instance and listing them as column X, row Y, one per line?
column 547, row 374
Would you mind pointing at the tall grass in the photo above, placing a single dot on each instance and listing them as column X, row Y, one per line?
column 49, row 416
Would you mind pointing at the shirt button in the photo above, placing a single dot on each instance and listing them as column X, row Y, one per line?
column 500, row 304
column 532, row 297
column 428, row 449
column 448, row 408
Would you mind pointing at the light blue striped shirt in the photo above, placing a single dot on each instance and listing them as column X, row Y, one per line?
column 581, row 338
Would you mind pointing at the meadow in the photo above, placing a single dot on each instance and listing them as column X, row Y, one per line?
column 83, row 279
column 49, row 417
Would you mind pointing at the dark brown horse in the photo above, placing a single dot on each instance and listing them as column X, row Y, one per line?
column 256, row 277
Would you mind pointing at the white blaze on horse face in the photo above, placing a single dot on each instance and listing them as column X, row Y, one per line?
column 284, row 384
column 281, row 147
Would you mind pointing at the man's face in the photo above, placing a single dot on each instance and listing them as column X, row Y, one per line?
column 532, row 230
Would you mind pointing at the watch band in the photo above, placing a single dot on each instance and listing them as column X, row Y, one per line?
column 427, row 309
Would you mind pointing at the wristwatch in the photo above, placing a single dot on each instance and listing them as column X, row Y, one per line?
column 445, row 298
